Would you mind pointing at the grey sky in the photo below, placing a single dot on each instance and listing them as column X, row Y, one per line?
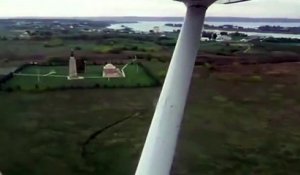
column 76, row 8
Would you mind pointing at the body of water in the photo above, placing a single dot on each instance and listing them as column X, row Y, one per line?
column 145, row 26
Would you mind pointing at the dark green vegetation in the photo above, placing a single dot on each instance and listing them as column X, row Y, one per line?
column 22, row 50
column 235, row 123
column 222, row 48
column 266, row 48
column 244, row 126
column 232, row 126
column 43, row 133
column 122, row 46
column 55, row 77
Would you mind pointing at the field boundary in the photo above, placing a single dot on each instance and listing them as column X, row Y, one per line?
column 153, row 81
column 10, row 75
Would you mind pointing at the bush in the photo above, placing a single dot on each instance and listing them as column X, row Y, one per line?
column 54, row 43
column 9, row 89
column 134, row 48
column 18, row 88
column 234, row 50
column 149, row 57
column 62, row 88
column 77, row 48
column 255, row 78
column 116, row 50
column 220, row 98
column 58, row 61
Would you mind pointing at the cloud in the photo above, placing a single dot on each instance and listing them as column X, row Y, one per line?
column 254, row 8
column 259, row 8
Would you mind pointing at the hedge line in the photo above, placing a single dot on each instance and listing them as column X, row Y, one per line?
column 9, row 76
column 61, row 88
column 150, row 74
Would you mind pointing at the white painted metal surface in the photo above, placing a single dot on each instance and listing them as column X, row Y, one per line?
column 158, row 152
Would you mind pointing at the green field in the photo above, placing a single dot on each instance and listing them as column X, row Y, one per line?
column 237, row 122
column 28, row 49
column 52, row 77
column 230, row 127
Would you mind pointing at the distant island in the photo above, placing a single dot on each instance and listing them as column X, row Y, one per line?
column 208, row 19
column 170, row 19
column 261, row 29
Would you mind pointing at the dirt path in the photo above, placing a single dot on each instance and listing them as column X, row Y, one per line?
column 94, row 135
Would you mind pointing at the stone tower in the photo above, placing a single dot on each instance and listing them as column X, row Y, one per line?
column 72, row 67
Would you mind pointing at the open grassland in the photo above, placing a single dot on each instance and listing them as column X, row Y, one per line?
column 41, row 50
column 245, row 124
column 120, row 44
column 221, row 48
column 52, row 77
column 28, row 49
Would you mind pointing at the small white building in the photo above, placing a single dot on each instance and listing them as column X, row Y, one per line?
column 244, row 40
column 25, row 35
column 156, row 29
column 205, row 39
column 111, row 71
column 223, row 38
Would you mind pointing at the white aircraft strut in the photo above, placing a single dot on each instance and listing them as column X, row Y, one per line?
column 160, row 145
column 157, row 156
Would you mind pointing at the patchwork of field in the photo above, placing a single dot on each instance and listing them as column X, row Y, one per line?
column 234, row 124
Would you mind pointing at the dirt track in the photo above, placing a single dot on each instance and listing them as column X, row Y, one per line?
column 245, row 59
column 278, row 69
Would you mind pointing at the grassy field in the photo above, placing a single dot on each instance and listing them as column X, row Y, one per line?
column 110, row 45
column 27, row 48
column 220, row 48
column 56, row 77
column 44, row 132
column 231, row 126
column 234, row 123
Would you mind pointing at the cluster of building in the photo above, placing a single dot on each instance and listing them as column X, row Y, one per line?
column 78, row 66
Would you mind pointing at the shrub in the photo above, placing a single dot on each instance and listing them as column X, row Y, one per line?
column 134, row 48
column 9, row 89
column 255, row 78
column 58, row 61
column 48, row 88
column 18, row 88
column 149, row 57
column 116, row 50
column 220, row 98
column 234, row 50
column 54, row 43
column 77, row 48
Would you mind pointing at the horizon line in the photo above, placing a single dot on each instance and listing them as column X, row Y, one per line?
column 67, row 17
